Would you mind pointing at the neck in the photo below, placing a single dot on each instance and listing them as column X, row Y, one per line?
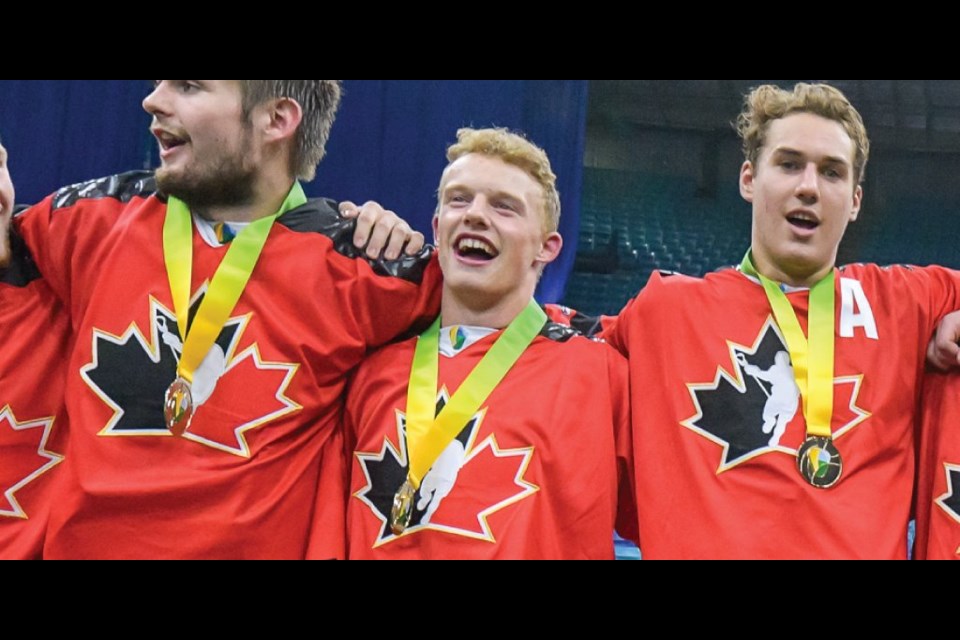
column 793, row 275
column 267, row 197
column 467, row 308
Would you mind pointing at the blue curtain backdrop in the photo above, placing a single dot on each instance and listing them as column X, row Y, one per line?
column 387, row 144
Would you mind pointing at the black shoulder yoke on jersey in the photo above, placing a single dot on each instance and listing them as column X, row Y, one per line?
column 123, row 187
column 558, row 332
column 316, row 216
column 321, row 216
column 588, row 326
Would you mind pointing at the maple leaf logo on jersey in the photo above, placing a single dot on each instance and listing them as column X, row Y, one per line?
column 233, row 392
column 25, row 460
column 448, row 499
column 950, row 501
column 755, row 407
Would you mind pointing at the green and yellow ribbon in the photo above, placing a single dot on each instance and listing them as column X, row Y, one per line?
column 812, row 359
column 429, row 433
column 228, row 282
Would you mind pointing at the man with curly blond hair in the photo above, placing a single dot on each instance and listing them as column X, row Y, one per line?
column 837, row 482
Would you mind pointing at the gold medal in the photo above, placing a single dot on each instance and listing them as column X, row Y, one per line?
column 819, row 462
column 178, row 407
column 402, row 510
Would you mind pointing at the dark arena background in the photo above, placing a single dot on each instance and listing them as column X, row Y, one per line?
column 647, row 169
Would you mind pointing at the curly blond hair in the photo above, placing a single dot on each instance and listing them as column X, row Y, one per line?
column 767, row 103
column 514, row 149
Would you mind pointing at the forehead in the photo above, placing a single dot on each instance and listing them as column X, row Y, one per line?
column 811, row 135
column 232, row 86
column 480, row 172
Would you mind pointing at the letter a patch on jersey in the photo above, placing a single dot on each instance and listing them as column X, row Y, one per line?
column 753, row 406
column 468, row 482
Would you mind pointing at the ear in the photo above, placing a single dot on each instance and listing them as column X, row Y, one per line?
column 436, row 225
column 280, row 119
column 746, row 181
column 857, row 201
column 550, row 248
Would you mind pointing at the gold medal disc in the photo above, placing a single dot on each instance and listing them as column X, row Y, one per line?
column 178, row 407
column 819, row 462
column 402, row 510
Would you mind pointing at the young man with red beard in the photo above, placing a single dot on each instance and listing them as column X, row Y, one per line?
column 496, row 434
column 732, row 460
column 35, row 334
column 216, row 313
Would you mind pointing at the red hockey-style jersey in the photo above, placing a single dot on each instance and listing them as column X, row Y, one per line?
column 938, row 472
column 243, row 481
column 35, row 335
column 717, row 421
column 533, row 475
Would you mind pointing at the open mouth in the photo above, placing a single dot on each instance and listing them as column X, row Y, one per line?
column 475, row 249
column 803, row 221
column 168, row 141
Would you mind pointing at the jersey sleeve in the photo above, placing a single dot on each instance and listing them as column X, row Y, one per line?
column 617, row 330
column 32, row 368
column 627, row 520
column 384, row 301
column 327, row 539
column 934, row 291
column 62, row 237
column 378, row 300
column 944, row 291
column 22, row 269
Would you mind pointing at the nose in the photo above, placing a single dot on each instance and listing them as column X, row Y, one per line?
column 154, row 103
column 808, row 189
column 476, row 213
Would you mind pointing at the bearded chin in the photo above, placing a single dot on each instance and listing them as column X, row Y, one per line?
column 228, row 185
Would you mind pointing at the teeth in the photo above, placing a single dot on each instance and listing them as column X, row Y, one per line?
column 468, row 244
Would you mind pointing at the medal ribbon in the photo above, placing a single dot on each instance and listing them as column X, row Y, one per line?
column 228, row 282
column 429, row 433
column 812, row 359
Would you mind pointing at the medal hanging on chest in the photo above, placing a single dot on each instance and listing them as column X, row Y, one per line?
column 429, row 433
column 178, row 406
column 225, row 289
column 818, row 459
column 819, row 462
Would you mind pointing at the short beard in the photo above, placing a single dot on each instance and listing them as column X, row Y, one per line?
column 230, row 184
